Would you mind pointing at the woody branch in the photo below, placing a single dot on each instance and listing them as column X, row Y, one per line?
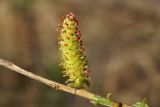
column 79, row 92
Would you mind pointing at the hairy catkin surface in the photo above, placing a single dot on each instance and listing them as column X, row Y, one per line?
column 71, row 49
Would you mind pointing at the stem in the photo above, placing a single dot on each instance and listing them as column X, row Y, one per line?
column 79, row 92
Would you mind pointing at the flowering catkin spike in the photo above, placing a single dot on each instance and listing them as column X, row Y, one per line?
column 71, row 49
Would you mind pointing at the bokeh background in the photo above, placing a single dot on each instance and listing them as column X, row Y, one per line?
column 122, row 45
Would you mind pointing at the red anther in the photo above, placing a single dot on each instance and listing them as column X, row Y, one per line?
column 78, row 38
column 78, row 32
column 71, row 14
column 77, row 22
column 64, row 31
column 62, row 66
column 69, row 28
column 75, row 29
column 71, row 34
column 73, row 24
column 69, row 17
column 66, row 24
column 68, row 37
column 82, row 49
column 65, row 44
column 81, row 44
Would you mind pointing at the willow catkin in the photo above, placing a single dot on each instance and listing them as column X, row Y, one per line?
column 73, row 62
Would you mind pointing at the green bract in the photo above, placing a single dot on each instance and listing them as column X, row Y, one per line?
column 71, row 49
column 141, row 104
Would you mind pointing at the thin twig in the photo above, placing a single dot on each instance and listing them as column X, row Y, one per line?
column 79, row 92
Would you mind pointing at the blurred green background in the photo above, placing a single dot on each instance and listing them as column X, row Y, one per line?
column 121, row 39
